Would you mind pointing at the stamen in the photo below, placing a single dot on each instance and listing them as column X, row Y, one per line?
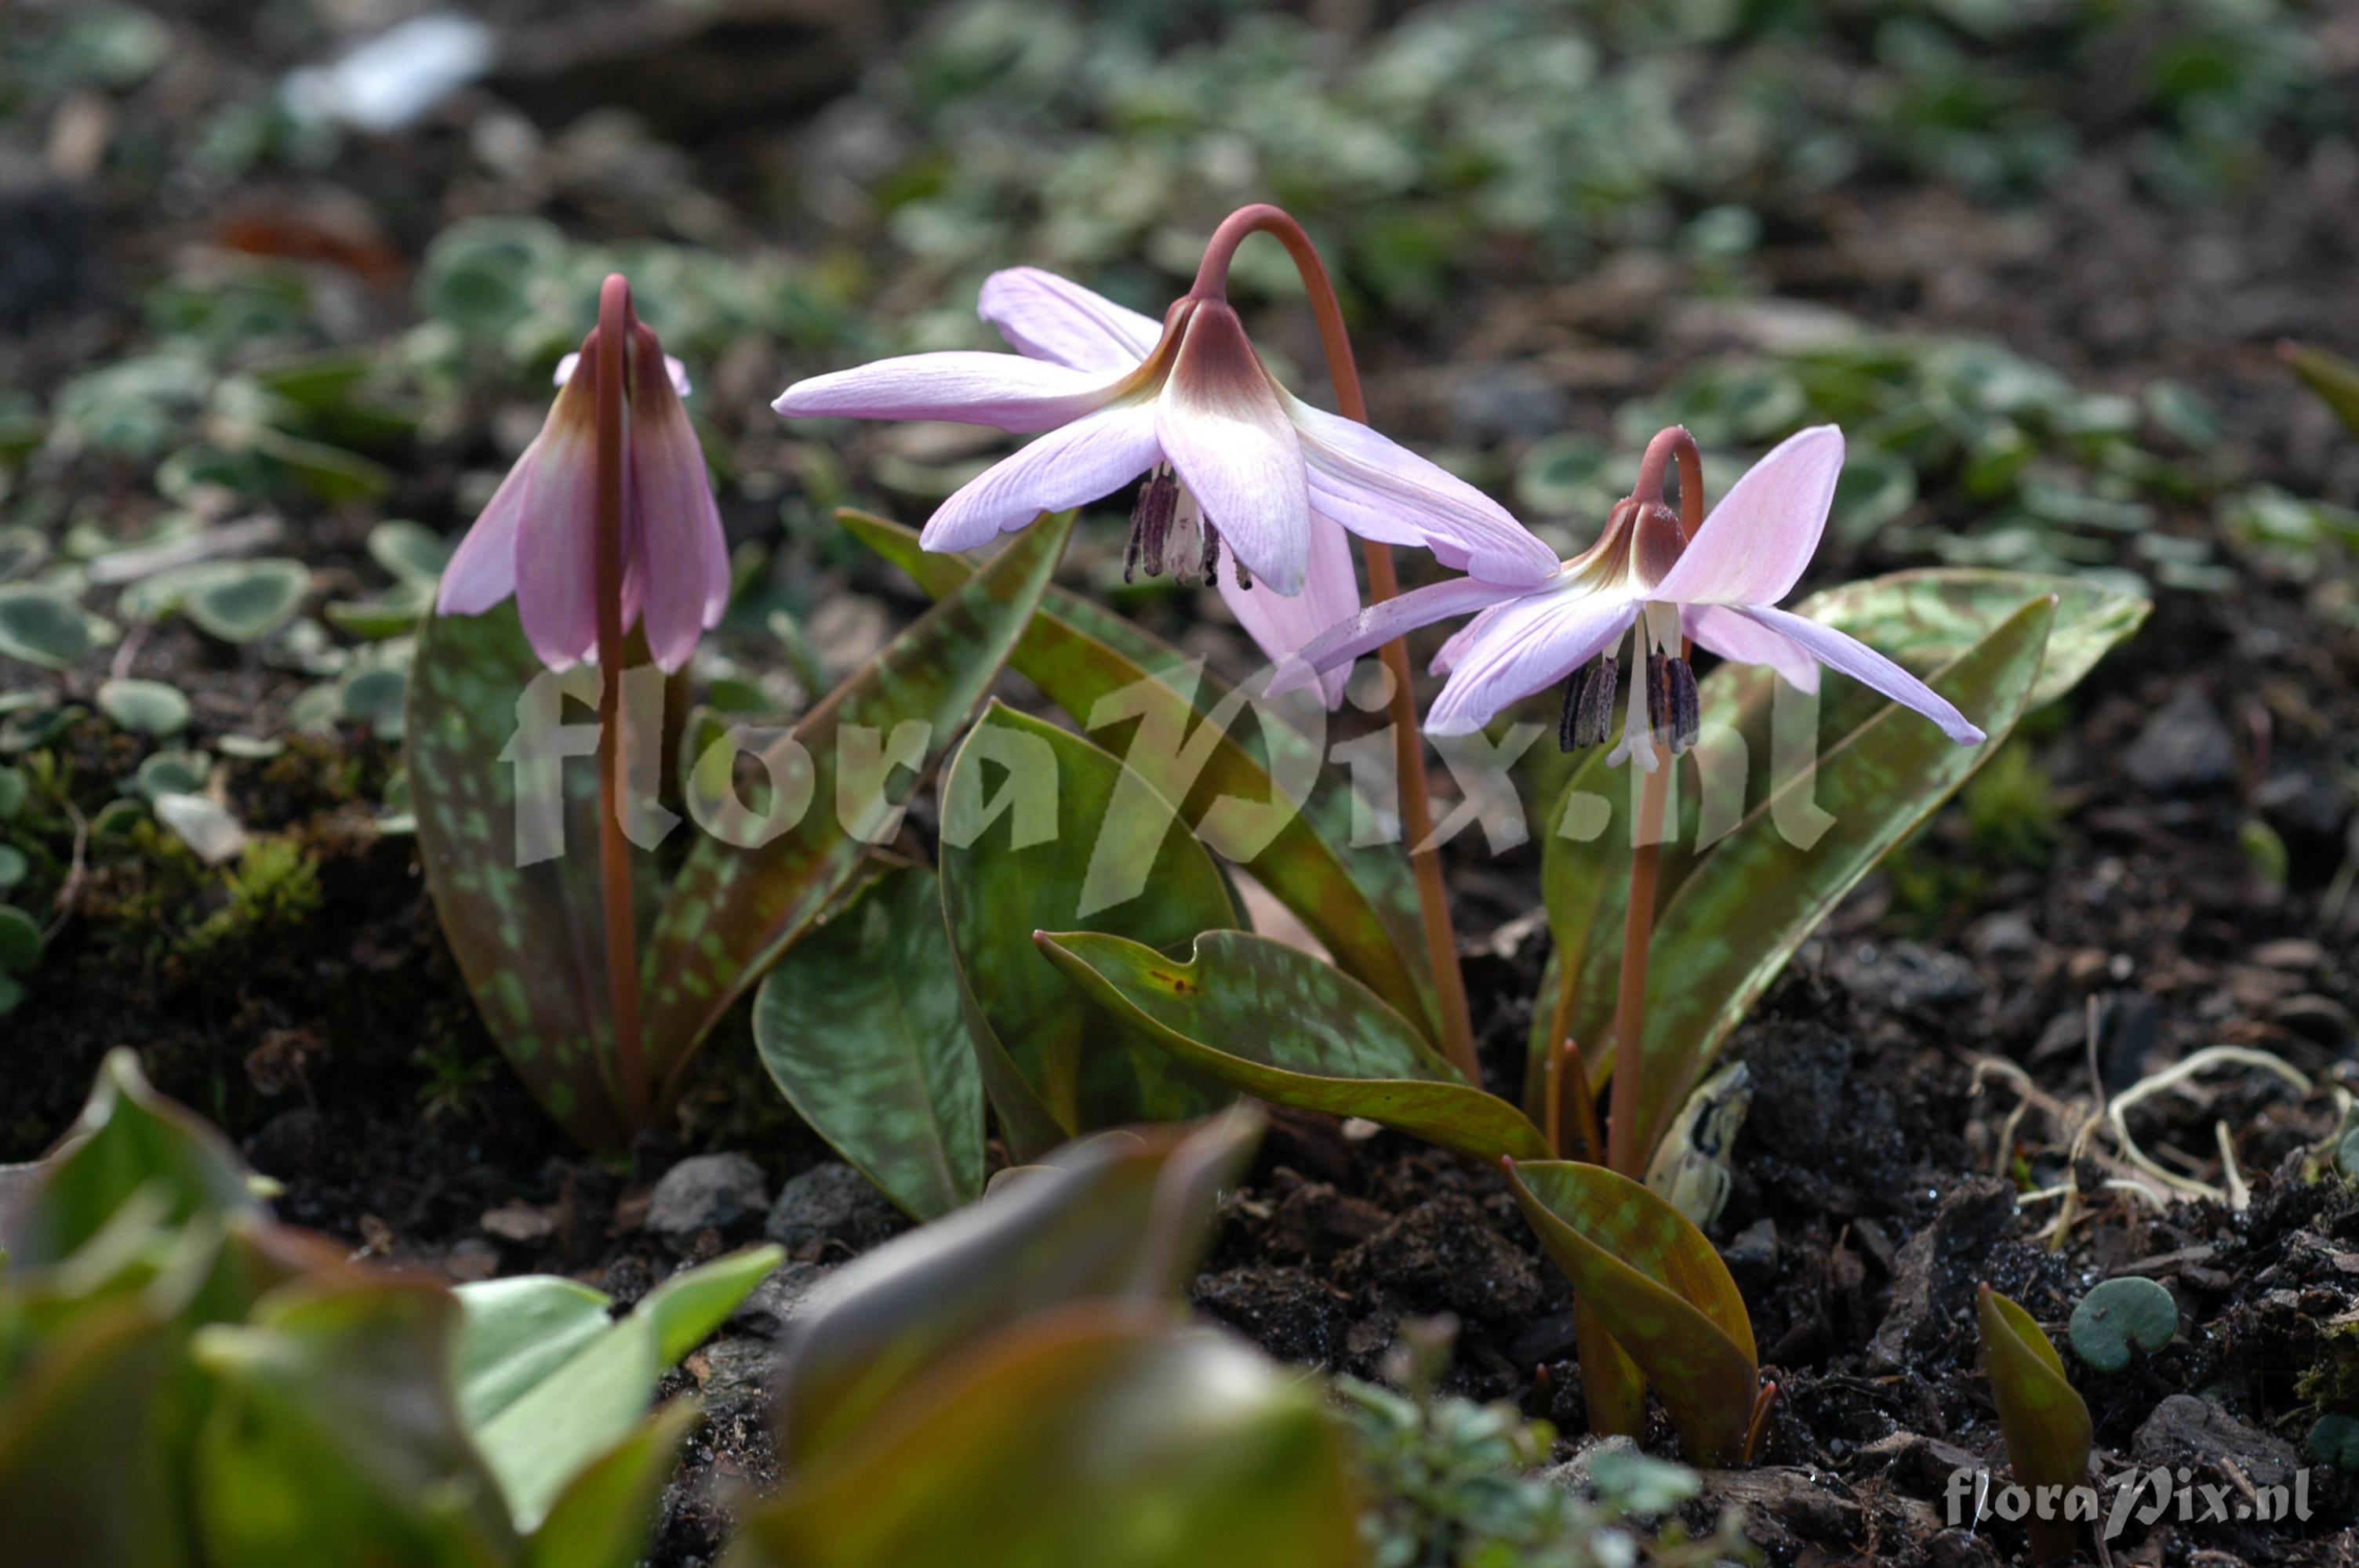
column 1658, row 694
column 1686, row 707
column 1596, row 720
column 1208, row 564
column 1567, row 735
column 1150, row 524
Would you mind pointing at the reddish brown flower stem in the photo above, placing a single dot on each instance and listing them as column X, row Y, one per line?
column 1408, row 746
column 1623, row 1152
column 614, row 849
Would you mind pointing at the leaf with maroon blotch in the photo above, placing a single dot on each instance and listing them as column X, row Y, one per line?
column 1653, row 1283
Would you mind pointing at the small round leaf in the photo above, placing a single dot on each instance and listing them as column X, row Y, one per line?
column 173, row 773
column 410, row 551
column 20, row 940
column 374, row 698
column 248, row 601
column 11, row 793
column 42, row 626
column 148, row 706
column 2335, row 1440
column 2119, row 1314
column 13, row 865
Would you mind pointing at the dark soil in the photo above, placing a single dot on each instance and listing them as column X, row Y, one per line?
column 1874, row 1188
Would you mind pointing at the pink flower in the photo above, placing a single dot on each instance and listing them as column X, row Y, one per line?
column 538, row 538
column 1719, row 588
column 1231, row 454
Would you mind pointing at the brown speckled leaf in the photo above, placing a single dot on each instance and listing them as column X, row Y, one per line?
column 1657, row 1287
column 1360, row 902
column 734, row 910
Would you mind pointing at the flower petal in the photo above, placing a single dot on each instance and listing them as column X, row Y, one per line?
column 557, row 546
column 483, row 570
column 1221, row 424
column 1531, row 645
column 1381, row 489
column 1339, row 644
column 1720, row 630
column 1865, row 665
column 1007, row 390
column 682, row 557
column 1283, row 625
column 1055, row 318
column 1086, row 459
column 1755, row 544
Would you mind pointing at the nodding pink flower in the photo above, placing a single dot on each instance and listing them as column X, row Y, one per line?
column 1645, row 576
column 1233, row 458
column 538, row 538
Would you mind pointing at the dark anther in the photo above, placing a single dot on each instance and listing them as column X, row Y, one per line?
column 1658, row 696
column 1150, row 525
column 1208, row 568
column 1686, row 707
column 1588, row 705
column 1596, row 720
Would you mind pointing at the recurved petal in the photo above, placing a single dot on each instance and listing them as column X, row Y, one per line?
column 1380, row 490
column 1527, row 647
column 1339, row 644
column 1720, row 630
column 557, row 547
column 1055, row 318
column 682, row 557
column 1755, row 544
column 1086, row 459
column 1284, row 625
column 483, row 570
column 969, row 388
column 1865, row 665
column 1220, row 424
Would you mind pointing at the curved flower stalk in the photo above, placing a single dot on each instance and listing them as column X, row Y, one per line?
column 538, row 540
column 1232, row 457
column 1648, row 578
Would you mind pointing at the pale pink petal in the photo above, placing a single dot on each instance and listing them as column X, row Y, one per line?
column 672, row 367
column 1339, row 644
column 557, row 547
column 1870, row 668
column 1284, row 625
column 1531, row 645
column 1720, row 630
column 676, row 539
column 1007, row 390
column 1055, row 318
column 1223, row 429
column 1753, row 544
column 483, row 570
column 1071, row 466
column 1380, row 490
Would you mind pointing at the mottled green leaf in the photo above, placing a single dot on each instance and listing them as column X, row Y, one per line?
column 2332, row 378
column 859, row 1026
column 548, row 1382
column 1360, row 902
column 1121, row 1213
column 734, row 909
column 530, row 939
column 244, row 601
column 1291, row 1031
column 2119, row 1313
column 1880, row 770
column 2044, row 1422
column 1654, row 1283
column 1034, row 823
column 1165, row 1448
